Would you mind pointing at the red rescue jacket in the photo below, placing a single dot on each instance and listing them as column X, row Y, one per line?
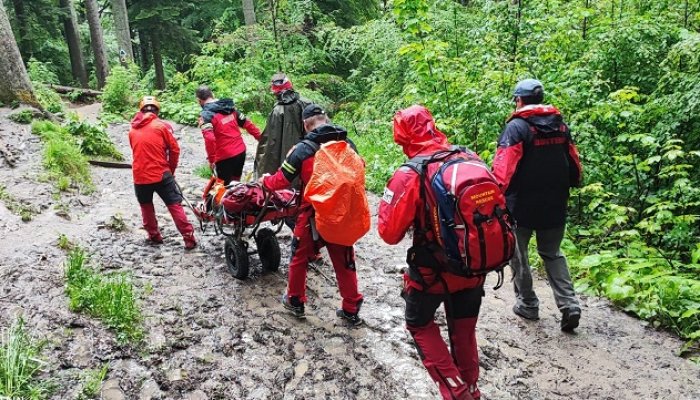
column 154, row 148
column 221, row 123
column 416, row 133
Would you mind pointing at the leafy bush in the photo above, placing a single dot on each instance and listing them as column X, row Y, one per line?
column 93, row 139
column 20, row 364
column 22, row 117
column 41, row 72
column 122, row 91
column 109, row 297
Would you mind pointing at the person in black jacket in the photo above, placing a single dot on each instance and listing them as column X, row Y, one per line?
column 537, row 163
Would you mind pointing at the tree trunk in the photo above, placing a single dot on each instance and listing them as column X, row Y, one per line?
column 97, row 42
column 14, row 81
column 249, row 12
column 144, row 49
column 157, row 61
column 121, row 26
column 25, row 45
column 70, row 29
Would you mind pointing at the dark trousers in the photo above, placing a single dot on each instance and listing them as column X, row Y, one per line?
column 170, row 194
column 455, row 370
column 230, row 169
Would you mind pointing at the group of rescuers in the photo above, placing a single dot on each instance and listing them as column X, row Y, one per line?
column 535, row 176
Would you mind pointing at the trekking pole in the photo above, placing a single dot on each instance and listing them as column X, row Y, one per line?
column 315, row 268
column 179, row 189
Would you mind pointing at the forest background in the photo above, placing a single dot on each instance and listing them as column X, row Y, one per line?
column 625, row 73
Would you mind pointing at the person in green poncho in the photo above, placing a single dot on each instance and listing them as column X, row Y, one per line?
column 284, row 126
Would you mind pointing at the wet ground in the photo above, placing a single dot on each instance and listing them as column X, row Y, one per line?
column 210, row 336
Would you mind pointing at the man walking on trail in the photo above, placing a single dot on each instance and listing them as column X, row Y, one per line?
column 220, row 123
column 536, row 163
column 284, row 126
column 306, row 241
column 427, row 284
column 156, row 154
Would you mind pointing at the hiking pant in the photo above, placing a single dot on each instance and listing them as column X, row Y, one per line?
column 170, row 194
column 456, row 371
column 230, row 169
column 548, row 242
column 304, row 250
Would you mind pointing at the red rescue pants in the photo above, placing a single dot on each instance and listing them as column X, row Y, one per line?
column 456, row 371
column 304, row 249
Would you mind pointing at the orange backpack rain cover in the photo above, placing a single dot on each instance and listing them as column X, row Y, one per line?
column 336, row 190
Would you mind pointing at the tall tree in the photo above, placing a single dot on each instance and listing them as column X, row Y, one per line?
column 14, row 81
column 70, row 29
column 25, row 45
column 121, row 26
column 249, row 12
column 97, row 42
column 157, row 60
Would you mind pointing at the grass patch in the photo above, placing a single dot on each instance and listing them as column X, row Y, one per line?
column 64, row 243
column 92, row 382
column 203, row 171
column 25, row 211
column 63, row 159
column 109, row 297
column 20, row 364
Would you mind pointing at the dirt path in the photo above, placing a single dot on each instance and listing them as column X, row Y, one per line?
column 210, row 336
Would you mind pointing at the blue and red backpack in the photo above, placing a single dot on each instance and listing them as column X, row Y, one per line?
column 465, row 213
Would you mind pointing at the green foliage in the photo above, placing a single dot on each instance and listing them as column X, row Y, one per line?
column 109, row 297
column 93, row 139
column 24, row 210
column 122, row 92
column 203, row 171
column 42, row 76
column 20, row 364
column 63, row 242
column 41, row 72
column 48, row 99
column 22, row 117
column 62, row 156
column 92, row 382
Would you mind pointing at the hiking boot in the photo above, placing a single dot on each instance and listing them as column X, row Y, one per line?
column 570, row 319
column 531, row 314
column 294, row 305
column 352, row 319
column 155, row 240
column 190, row 242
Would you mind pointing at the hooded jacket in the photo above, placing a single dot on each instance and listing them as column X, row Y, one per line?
column 220, row 123
column 283, row 130
column 401, row 205
column 300, row 161
column 155, row 150
column 536, row 163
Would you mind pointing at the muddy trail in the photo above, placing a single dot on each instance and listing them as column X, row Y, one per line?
column 210, row 336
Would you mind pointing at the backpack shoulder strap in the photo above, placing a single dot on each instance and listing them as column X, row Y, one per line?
column 315, row 146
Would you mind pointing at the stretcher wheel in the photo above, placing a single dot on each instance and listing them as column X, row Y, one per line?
column 268, row 249
column 236, row 257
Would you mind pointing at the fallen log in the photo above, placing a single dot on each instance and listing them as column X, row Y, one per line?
column 83, row 92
